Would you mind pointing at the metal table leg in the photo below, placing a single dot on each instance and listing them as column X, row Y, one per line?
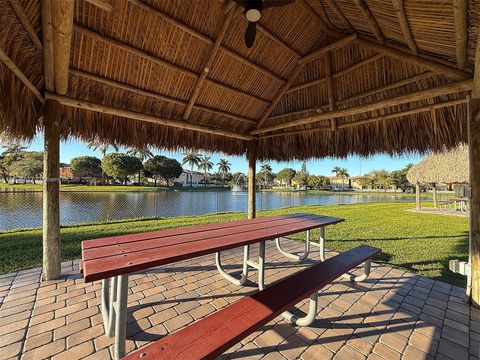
column 114, row 311
column 321, row 244
column 362, row 277
column 293, row 256
column 307, row 319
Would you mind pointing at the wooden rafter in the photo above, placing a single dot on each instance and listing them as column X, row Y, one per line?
column 208, row 63
column 330, row 88
column 408, row 57
column 62, row 25
column 306, row 7
column 333, row 5
column 398, row 6
column 102, row 4
column 335, row 75
column 300, row 66
column 386, row 87
column 153, row 95
column 465, row 85
column 17, row 7
column 4, row 58
column 461, row 32
column 206, row 39
column 157, row 60
column 372, row 23
column 104, row 109
column 426, row 108
column 47, row 31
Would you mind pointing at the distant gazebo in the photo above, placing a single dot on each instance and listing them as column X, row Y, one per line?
column 446, row 167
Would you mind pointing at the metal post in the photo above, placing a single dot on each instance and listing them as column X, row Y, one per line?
column 293, row 256
column 121, row 316
column 307, row 319
column 261, row 266
column 362, row 277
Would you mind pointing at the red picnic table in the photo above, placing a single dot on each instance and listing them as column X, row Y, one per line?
column 114, row 258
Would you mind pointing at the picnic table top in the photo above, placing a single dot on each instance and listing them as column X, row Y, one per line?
column 120, row 255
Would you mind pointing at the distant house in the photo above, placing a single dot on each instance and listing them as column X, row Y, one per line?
column 65, row 171
column 185, row 178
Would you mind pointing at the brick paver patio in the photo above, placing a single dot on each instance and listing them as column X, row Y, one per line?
column 393, row 315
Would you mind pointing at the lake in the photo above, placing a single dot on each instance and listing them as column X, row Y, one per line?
column 24, row 209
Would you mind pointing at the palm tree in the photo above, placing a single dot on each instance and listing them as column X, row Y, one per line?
column 206, row 165
column 344, row 174
column 141, row 152
column 266, row 169
column 223, row 168
column 102, row 146
column 336, row 170
column 191, row 158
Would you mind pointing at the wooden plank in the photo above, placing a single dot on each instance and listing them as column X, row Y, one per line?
column 162, row 242
column 105, row 109
column 215, row 334
column 132, row 262
column 340, row 14
column 102, row 4
column 327, row 48
column 17, row 7
column 122, row 239
column 252, row 183
column 465, row 85
column 306, row 7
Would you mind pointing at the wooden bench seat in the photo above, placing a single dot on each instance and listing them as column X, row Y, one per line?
column 213, row 335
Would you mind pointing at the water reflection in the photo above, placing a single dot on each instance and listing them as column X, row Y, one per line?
column 24, row 210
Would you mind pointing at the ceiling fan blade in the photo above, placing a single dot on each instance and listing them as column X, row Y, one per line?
column 250, row 34
column 276, row 3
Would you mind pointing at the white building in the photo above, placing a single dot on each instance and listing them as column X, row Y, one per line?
column 185, row 178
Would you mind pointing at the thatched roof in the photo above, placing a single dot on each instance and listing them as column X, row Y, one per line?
column 446, row 167
column 324, row 78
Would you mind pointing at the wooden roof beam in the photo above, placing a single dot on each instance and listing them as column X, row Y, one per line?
column 208, row 63
column 460, row 11
column 4, row 58
column 153, row 95
column 372, row 23
column 398, row 6
column 335, row 75
column 47, row 31
column 336, row 9
column 306, row 7
column 17, row 7
column 62, row 26
column 419, row 60
column 105, row 109
column 426, row 108
column 465, row 85
column 206, row 39
column 387, row 87
column 102, row 4
column 157, row 60
column 300, row 66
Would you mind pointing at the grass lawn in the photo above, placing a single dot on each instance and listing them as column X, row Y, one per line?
column 422, row 243
column 105, row 188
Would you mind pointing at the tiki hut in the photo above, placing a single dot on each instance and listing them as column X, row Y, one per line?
column 323, row 78
column 446, row 167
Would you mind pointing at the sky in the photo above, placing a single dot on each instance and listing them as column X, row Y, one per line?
column 354, row 164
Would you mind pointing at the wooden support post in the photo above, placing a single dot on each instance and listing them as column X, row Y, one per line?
column 434, row 194
column 474, row 148
column 252, row 159
column 51, row 201
column 417, row 197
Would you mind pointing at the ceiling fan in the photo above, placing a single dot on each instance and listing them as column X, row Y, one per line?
column 253, row 13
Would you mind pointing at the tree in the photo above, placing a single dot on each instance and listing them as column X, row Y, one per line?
column 120, row 166
column 286, row 174
column 337, row 171
column 143, row 153
column 206, row 165
column 97, row 144
column 223, row 168
column 170, row 169
column 191, row 158
column 152, row 168
column 399, row 178
column 86, row 166
column 266, row 174
column 344, row 174
column 317, row 182
column 3, row 168
column 302, row 178
column 26, row 164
